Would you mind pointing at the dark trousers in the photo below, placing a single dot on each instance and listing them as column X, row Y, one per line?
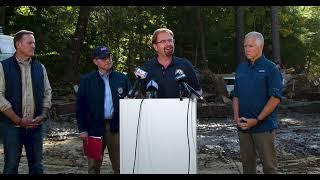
column 13, row 141
column 112, row 141
column 253, row 145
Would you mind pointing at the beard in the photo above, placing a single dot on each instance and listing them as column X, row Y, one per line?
column 169, row 51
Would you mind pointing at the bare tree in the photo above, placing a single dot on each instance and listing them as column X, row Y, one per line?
column 239, row 24
column 73, row 49
column 275, row 34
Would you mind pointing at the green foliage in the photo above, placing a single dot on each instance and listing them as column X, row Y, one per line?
column 127, row 31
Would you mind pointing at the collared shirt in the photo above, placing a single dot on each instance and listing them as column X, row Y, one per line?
column 28, row 104
column 165, row 77
column 255, row 84
column 108, row 104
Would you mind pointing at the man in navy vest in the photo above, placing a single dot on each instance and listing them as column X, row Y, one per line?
column 25, row 98
column 97, row 110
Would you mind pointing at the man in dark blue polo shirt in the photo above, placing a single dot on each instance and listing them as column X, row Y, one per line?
column 257, row 93
column 164, row 67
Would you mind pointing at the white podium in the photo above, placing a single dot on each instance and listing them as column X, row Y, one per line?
column 158, row 136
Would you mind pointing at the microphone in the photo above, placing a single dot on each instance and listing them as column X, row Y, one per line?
column 182, row 78
column 152, row 88
column 140, row 74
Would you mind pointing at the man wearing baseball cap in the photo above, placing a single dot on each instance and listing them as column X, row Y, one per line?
column 97, row 107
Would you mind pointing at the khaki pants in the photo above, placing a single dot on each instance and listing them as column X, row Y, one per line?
column 111, row 140
column 262, row 144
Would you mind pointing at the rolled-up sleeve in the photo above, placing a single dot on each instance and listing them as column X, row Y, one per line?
column 4, row 103
column 47, row 90
column 275, row 84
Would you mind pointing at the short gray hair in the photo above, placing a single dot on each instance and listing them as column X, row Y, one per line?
column 258, row 36
column 19, row 35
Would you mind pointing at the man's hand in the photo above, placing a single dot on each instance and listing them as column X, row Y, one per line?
column 27, row 123
column 38, row 120
column 246, row 123
column 236, row 120
column 84, row 136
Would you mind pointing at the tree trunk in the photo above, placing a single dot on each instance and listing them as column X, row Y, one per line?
column 275, row 34
column 196, row 55
column 239, row 14
column 2, row 19
column 130, row 57
column 140, row 31
column 203, row 63
column 73, row 49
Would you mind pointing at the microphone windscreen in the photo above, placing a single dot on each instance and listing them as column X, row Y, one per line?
column 153, row 84
column 141, row 73
column 179, row 75
column 178, row 72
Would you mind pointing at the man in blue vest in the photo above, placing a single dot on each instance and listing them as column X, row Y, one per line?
column 97, row 110
column 25, row 98
column 257, row 93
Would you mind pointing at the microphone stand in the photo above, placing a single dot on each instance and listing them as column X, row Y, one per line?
column 191, row 91
column 186, row 87
column 180, row 92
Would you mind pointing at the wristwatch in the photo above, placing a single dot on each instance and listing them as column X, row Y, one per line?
column 259, row 121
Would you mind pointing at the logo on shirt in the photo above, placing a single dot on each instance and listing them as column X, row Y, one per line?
column 120, row 90
column 262, row 71
column 179, row 71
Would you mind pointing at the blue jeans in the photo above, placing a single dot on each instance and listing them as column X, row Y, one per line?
column 13, row 141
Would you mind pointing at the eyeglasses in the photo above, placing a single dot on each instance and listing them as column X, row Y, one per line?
column 164, row 41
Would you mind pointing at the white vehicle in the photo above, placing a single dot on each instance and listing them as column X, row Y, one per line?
column 229, row 80
column 6, row 47
column 6, row 50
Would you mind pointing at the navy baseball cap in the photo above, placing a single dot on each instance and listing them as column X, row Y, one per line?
column 101, row 52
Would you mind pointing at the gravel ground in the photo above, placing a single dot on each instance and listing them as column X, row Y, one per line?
column 297, row 145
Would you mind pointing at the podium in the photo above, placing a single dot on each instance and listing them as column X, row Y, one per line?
column 158, row 136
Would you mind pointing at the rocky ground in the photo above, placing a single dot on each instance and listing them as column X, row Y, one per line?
column 297, row 144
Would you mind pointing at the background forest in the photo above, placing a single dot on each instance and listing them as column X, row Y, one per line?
column 211, row 38
column 66, row 35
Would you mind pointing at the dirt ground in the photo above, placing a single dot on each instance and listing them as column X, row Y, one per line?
column 297, row 145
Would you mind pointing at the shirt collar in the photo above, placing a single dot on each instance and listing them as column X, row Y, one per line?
column 174, row 61
column 257, row 62
column 104, row 74
column 20, row 61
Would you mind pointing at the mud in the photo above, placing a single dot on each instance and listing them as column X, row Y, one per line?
column 297, row 145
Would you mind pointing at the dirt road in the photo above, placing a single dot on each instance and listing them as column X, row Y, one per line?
column 297, row 144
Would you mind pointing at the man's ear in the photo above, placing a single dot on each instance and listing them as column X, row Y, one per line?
column 94, row 61
column 17, row 44
column 155, row 47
